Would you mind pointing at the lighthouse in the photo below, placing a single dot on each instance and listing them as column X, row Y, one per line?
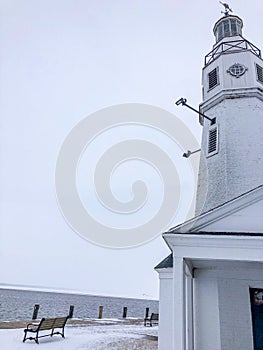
column 211, row 285
column 232, row 89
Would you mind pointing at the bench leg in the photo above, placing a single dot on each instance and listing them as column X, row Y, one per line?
column 24, row 336
column 36, row 338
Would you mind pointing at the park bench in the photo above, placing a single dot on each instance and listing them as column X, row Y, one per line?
column 46, row 324
column 154, row 319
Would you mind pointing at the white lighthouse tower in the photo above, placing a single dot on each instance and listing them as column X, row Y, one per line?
column 211, row 286
column 233, row 95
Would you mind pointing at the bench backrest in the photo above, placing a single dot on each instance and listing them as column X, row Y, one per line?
column 60, row 322
column 154, row 317
column 49, row 323
column 46, row 323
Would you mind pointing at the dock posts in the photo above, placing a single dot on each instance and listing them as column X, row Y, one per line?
column 124, row 315
column 71, row 310
column 147, row 312
column 100, row 311
column 35, row 312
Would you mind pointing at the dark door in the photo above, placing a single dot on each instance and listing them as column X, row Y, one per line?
column 256, row 301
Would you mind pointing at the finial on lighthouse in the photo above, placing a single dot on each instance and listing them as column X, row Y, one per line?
column 227, row 8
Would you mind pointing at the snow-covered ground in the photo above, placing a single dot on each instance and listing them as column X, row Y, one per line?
column 102, row 337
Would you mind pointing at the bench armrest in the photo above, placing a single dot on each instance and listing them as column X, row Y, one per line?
column 32, row 326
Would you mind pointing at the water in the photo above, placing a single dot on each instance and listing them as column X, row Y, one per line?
column 19, row 305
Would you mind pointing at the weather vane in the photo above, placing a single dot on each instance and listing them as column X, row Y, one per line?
column 227, row 8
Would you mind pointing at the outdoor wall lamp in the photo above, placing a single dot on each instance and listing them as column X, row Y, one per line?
column 183, row 101
column 189, row 153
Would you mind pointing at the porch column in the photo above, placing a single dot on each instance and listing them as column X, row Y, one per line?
column 189, row 306
column 179, row 312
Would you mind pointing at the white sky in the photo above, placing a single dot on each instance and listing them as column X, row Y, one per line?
column 59, row 62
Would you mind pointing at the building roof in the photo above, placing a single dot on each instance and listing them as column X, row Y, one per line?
column 197, row 224
column 165, row 263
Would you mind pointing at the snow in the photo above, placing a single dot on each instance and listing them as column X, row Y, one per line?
column 100, row 337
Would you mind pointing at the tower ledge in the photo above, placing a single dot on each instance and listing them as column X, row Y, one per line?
column 230, row 94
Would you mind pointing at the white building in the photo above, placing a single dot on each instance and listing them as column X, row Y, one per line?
column 211, row 285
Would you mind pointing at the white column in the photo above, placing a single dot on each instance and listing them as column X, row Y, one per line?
column 189, row 308
column 179, row 341
column 166, row 329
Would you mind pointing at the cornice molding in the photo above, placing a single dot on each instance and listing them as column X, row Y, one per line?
column 231, row 94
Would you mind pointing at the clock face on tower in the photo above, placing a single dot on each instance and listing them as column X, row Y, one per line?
column 237, row 70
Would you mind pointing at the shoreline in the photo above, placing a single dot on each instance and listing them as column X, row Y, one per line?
column 16, row 324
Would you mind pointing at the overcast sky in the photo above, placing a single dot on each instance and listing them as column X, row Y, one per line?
column 61, row 61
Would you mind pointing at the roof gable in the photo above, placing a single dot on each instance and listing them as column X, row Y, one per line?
column 240, row 215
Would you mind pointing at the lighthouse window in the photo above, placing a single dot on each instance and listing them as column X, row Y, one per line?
column 213, row 78
column 237, row 70
column 233, row 27
column 239, row 28
column 226, row 28
column 259, row 73
column 220, row 32
column 212, row 141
